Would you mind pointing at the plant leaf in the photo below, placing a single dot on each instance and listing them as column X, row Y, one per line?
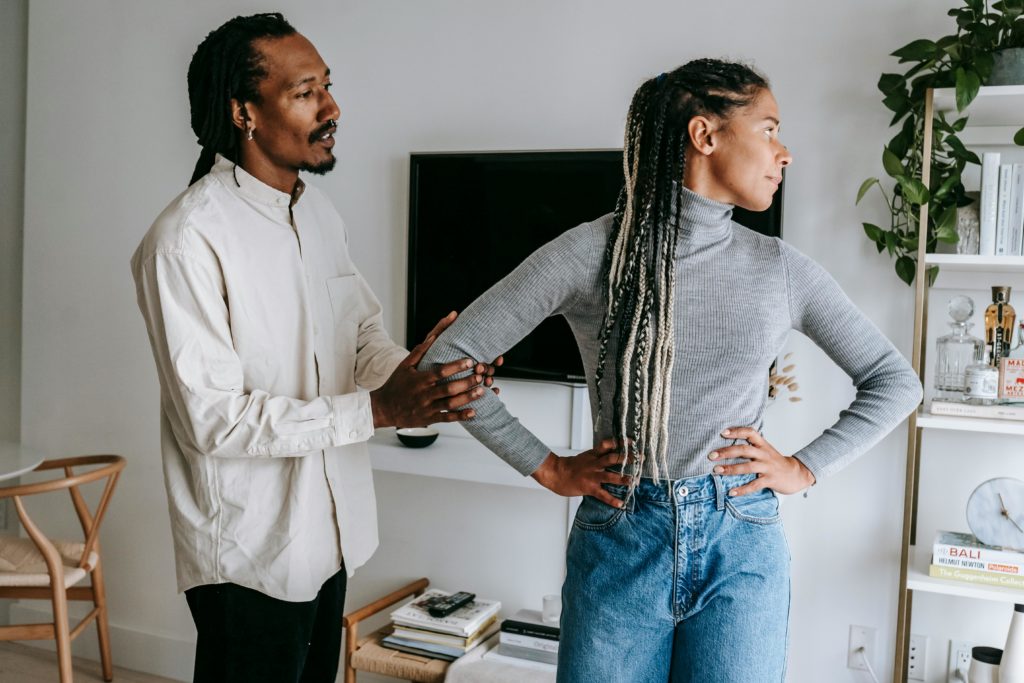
column 906, row 269
column 864, row 187
column 967, row 86
column 873, row 232
column 914, row 190
column 891, row 163
column 1018, row 137
column 916, row 51
column 889, row 83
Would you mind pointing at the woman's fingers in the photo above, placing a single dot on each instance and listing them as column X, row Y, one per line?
column 749, row 434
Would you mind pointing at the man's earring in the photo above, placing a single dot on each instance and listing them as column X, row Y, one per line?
column 248, row 135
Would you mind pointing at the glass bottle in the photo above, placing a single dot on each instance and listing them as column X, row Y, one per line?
column 982, row 383
column 999, row 325
column 956, row 350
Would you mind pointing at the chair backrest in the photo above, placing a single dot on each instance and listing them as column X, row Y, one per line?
column 107, row 467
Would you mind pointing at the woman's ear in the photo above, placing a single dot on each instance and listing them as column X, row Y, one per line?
column 702, row 131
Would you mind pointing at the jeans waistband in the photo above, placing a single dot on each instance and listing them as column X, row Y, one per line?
column 690, row 490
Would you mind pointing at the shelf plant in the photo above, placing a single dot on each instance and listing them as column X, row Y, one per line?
column 964, row 61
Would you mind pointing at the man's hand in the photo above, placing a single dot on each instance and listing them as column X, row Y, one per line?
column 411, row 398
column 583, row 474
column 774, row 471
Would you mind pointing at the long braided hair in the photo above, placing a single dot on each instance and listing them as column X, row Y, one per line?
column 227, row 66
column 638, row 267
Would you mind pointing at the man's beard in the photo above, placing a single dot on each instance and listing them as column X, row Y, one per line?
column 322, row 168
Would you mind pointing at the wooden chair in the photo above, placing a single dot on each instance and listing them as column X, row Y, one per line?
column 47, row 569
column 366, row 654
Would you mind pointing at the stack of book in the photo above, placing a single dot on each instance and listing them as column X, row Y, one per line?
column 448, row 638
column 961, row 557
column 1001, row 207
column 525, row 636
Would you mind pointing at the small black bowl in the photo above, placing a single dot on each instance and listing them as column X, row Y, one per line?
column 417, row 437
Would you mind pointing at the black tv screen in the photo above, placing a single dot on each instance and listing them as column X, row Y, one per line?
column 475, row 216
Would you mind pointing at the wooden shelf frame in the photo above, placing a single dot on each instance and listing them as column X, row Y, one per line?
column 995, row 112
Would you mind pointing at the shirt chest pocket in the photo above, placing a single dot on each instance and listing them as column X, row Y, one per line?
column 346, row 300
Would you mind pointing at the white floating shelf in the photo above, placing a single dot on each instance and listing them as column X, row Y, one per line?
column 450, row 457
column 977, row 264
column 969, row 424
column 918, row 580
column 995, row 105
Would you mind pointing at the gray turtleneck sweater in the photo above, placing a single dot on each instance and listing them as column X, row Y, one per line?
column 737, row 296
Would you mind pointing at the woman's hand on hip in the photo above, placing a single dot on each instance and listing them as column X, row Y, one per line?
column 782, row 474
column 583, row 474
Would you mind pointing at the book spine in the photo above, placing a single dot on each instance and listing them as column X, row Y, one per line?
column 981, row 565
column 975, row 576
column 542, row 644
column 529, row 630
column 975, row 554
column 1017, row 210
column 989, row 207
column 527, row 653
column 1003, row 210
column 999, row 412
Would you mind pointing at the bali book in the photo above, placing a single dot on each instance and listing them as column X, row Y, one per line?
column 528, row 622
column 958, row 546
column 975, row 576
column 463, row 622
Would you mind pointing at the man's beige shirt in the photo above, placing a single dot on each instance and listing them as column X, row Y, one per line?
column 267, row 340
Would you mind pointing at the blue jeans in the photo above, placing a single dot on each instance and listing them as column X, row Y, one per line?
column 684, row 584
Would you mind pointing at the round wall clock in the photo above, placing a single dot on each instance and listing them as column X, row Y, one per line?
column 995, row 513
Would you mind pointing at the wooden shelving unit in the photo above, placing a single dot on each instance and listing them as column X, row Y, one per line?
column 993, row 117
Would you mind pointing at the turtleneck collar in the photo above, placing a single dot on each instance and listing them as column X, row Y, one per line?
column 704, row 221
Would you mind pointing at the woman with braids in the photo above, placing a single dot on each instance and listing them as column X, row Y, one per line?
column 677, row 565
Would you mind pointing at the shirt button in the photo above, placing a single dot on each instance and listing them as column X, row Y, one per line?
column 683, row 492
column 353, row 434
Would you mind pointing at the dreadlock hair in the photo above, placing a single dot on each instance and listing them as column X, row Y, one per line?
column 638, row 270
column 227, row 66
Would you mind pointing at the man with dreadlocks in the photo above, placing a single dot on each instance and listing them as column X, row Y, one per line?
column 274, row 365
column 677, row 566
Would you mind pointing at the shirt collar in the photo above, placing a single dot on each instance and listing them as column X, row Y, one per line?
column 252, row 187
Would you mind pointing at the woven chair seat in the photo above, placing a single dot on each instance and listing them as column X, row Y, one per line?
column 21, row 563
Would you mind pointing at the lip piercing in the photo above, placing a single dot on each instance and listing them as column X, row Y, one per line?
column 332, row 123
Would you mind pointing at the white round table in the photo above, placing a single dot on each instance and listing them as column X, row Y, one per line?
column 17, row 459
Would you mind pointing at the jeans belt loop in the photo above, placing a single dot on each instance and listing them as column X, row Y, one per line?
column 719, row 492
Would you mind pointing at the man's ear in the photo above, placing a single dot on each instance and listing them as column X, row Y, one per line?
column 240, row 117
column 702, row 132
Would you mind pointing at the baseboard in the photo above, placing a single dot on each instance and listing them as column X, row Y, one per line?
column 146, row 652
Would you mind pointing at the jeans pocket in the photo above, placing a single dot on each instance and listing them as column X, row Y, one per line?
column 756, row 508
column 594, row 515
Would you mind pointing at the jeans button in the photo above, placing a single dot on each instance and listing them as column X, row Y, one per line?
column 683, row 492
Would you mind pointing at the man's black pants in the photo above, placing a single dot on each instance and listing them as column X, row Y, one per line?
column 249, row 637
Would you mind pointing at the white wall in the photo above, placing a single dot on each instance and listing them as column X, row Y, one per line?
column 13, row 35
column 109, row 145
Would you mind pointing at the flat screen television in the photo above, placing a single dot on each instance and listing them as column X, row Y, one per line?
column 475, row 216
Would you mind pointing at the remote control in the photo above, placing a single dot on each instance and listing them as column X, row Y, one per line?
column 445, row 606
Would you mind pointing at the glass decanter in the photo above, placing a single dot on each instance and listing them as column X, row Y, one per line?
column 956, row 350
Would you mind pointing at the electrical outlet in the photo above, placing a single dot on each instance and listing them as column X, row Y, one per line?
column 862, row 647
column 959, row 661
column 917, row 660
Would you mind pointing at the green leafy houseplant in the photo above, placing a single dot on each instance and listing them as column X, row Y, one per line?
column 963, row 61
